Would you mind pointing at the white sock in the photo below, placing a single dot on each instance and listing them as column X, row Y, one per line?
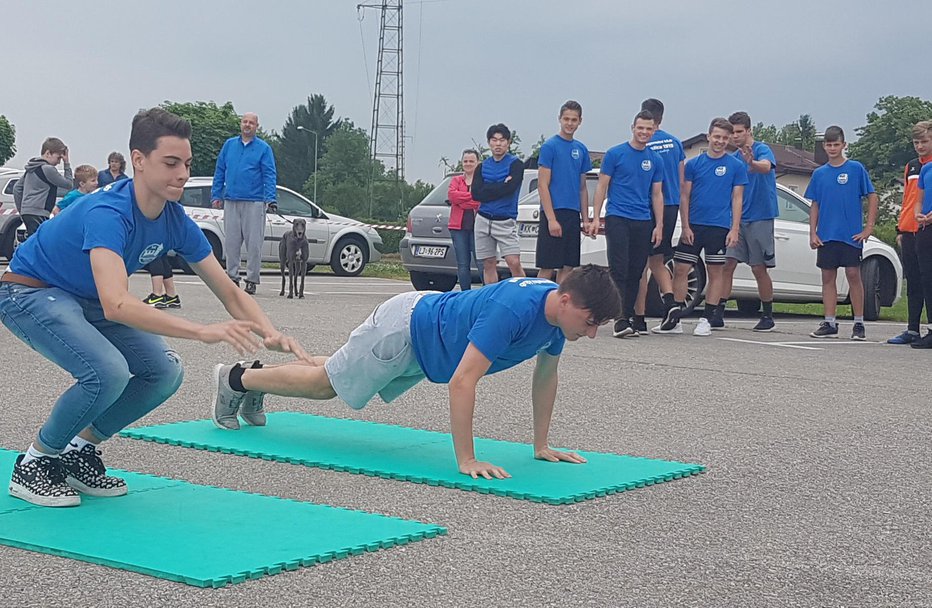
column 78, row 443
column 32, row 453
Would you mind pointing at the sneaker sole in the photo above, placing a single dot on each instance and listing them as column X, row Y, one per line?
column 667, row 332
column 43, row 501
column 763, row 331
column 102, row 492
column 859, row 338
column 252, row 422
column 213, row 407
column 624, row 333
column 823, row 337
column 702, row 335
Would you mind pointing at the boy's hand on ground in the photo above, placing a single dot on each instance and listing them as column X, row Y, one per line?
column 238, row 334
column 475, row 468
column 552, row 455
column 286, row 344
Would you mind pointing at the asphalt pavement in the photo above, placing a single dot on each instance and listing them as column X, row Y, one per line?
column 816, row 492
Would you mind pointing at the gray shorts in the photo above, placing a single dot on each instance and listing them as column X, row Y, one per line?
column 496, row 237
column 378, row 358
column 755, row 244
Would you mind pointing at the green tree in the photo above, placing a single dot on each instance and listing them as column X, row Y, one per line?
column 807, row 131
column 294, row 149
column 7, row 139
column 344, row 172
column 884, row 144
column 768, row 133
column 535, row 149
column 211, row 125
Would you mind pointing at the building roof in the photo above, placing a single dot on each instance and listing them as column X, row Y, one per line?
column 789, row 159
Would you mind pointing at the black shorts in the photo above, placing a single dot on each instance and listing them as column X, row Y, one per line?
column 670, row 215
column 555, row 253
column 835, row 254
column 707, row 239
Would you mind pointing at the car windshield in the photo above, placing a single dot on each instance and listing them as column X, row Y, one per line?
column 292, row 204
column 791, row 208
column 438, row 196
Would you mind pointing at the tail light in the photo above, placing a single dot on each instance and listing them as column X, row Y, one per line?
column 408, row 226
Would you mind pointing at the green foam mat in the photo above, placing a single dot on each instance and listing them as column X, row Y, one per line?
column 199, row 535
column 419, row 456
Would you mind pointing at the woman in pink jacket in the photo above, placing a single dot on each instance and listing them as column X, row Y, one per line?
column 462, row 218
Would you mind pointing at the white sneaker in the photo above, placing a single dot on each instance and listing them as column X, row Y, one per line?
column 703, row 328
column 677, row 329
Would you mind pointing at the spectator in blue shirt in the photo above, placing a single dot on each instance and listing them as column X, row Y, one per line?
column 115, row 171
column 86, row 176
column 244, row 184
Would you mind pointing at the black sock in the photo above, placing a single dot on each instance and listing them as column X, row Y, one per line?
column 668, row 299
column 236, row 378
column 639, row 319
column 721, row 308
column 768, row 309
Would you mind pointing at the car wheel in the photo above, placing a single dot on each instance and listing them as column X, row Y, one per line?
column 182, row 265
column 695, row 291
column 426, row 281
column 870, row 276
column 349, row 257
column 748, row 307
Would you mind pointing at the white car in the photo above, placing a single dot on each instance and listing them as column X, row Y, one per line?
column 345, row 244
column 796, row 279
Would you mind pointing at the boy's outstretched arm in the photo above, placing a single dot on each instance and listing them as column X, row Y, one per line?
column 543, row 395
column 471, row 368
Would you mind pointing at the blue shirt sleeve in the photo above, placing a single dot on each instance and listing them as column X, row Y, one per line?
column 106, row 229
column 765, row 153
column 812, row 190
column 556, row 347
column 657, row 163
column 546, row 156
column 609, row 162
column 194, row 247
column 741, row 175
column 866, row 186
column 680, row 153
column 494, row 330
column 690, row 172
column 216, row 190
column 586, row 160
column 269, row 175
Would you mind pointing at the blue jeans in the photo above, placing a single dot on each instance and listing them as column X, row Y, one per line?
column 122, row 373
column 464, row 248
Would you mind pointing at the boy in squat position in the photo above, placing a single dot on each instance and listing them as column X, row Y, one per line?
column 836, row 229
column 452, row 338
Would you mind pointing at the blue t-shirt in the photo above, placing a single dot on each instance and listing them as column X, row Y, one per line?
column 567, row 160
column 671, row 151
column 925, row 182
column 760, row 195
column 59, row 253
column 633, row 173
column 713, row 180
column 69, row 198
column 505, row 321
column 838, row 191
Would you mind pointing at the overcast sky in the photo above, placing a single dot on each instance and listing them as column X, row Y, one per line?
column 80, row 71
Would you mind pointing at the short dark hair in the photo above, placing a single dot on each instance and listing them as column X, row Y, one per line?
column 572, row 106
column 117, row 156
column 53, row 145
column 149, row 125
column 740, row 118
column 834, row 133
column 643, row 115
column 655, row 107
column 470, row 151
column 591, row 287
column 720, row 123
column 499, row 129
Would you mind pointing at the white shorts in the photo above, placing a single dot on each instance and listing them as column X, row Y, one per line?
column 496, row 237
column 378, row 358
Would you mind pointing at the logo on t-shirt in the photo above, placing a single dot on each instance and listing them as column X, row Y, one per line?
column 575, row 153
column 720, row 171
column 842, row 178
column 645, row 164
column 150, row 253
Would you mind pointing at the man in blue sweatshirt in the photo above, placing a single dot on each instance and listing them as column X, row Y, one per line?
column 245, row 183
column 497, row 185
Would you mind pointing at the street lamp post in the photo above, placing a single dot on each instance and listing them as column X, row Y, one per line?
column 314, row 133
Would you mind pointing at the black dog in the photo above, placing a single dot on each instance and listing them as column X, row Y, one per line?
column 292, row 255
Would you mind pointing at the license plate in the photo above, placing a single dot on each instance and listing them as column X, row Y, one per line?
column 528, row 229
column 425, row 251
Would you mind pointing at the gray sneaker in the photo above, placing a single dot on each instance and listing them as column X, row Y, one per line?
column 253, row 409
column 226, row 401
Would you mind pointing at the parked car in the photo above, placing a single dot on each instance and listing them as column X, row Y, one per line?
column 795, row 279
column 426, row 248
column 9, row 217
column 345, row 244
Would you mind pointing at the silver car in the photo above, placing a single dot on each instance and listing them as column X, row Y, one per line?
column 426, row 248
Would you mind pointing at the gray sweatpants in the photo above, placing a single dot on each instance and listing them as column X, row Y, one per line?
column 244, row 223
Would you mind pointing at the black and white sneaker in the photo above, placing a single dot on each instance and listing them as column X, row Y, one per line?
column 858, row 333
column 825, row 330
column 640, row 326
column 671, row 319
column 41, row 481
column 765, row 324
column 87, row 474
column 622, row 328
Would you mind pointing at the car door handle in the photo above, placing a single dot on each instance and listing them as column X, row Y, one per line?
column 780, row 236
column 437, row 229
